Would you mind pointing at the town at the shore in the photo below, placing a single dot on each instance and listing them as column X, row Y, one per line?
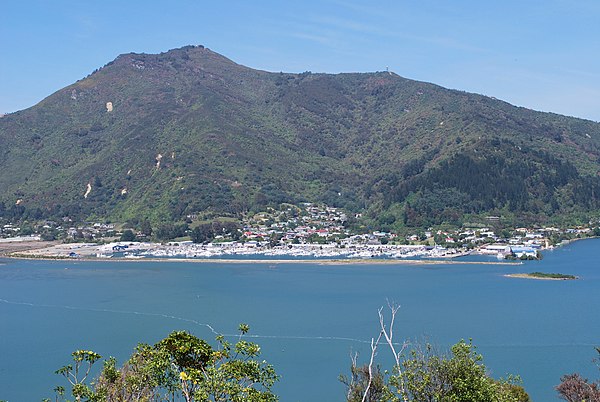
column 289, row 232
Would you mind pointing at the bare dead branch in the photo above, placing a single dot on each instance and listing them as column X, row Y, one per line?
column 389, row 338
column 351, row 384
column 374, row 344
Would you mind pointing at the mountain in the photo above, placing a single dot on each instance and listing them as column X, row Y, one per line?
column 174, row 134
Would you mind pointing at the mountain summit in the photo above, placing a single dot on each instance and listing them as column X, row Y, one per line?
column 173, row 134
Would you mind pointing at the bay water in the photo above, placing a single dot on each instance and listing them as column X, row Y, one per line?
column 308, row 318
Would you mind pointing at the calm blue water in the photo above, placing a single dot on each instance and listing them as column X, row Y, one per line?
column 307, row 317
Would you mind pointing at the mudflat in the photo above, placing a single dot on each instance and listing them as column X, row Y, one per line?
column 20, row 246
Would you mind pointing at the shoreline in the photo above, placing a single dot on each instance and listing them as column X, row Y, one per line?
column 569, row 241
column 358, row 261
column 81, row 252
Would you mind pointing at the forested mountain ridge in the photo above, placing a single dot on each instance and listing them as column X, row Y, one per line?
column 170, row 135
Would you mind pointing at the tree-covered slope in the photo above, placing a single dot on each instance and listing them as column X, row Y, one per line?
column 173, row 134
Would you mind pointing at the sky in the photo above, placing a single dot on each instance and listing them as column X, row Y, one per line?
column 543, row 55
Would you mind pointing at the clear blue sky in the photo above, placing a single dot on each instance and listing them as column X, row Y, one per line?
column 543, row 55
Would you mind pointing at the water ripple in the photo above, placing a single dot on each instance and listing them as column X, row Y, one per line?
column 188, row 320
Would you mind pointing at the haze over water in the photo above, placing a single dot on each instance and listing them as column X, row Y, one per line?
column 306, row 317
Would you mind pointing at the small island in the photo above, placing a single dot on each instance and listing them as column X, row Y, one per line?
column 544, row 276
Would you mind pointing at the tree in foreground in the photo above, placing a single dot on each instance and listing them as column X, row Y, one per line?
column 77, row 374
column 575, row 388
column 422, row 375
column 181, row 367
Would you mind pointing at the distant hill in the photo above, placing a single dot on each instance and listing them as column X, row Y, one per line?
column 173, row 134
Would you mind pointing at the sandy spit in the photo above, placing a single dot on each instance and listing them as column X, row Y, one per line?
column 528, row 276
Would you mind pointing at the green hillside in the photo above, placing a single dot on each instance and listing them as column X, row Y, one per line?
column 190, row 131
